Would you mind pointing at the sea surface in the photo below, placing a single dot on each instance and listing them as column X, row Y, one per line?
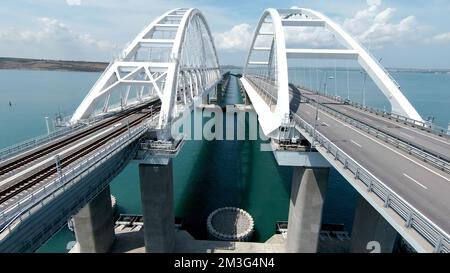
column 207, row 174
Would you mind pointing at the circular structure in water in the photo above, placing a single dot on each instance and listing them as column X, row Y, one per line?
column 230, row 224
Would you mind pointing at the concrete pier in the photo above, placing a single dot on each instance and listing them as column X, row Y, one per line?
column 308, row 191
column 205, row 99
column 94, row 227
column 157, row 207
column 371, row 232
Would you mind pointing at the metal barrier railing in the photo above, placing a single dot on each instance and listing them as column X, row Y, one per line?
column 438, row 160
column 438, row 238
column 395, row 141
column 66, row 128
column 23, row 208
column 413, row 218
column 427, row 126
column 31, row 143
column 268, row 97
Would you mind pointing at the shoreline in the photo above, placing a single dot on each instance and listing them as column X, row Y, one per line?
column 8, row 63
column 12, row 63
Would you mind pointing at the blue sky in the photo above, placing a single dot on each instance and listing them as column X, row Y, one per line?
column 403, row 33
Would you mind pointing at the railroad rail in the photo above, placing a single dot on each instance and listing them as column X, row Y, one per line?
column 30, row 179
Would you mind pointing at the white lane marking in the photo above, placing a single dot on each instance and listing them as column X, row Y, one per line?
column 415, row 130
column 370, row 137
column 9, row 179
column 326, row 124
column 406, row 135
column 418, row 131
column 356, row 143
column 415, row 181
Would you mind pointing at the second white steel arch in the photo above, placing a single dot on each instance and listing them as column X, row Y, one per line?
column 399, row 103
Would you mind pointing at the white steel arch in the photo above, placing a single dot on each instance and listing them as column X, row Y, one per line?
column 278, row 48
column 309, row 18
column 173, row 59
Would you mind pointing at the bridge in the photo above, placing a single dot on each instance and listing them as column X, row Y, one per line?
column 168, row 69
column 391, row 159
column 398, row 163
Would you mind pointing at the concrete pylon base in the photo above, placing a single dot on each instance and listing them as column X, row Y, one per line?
column 94, row 227
column 157, row 207
column 308, row 191
column 371, row 233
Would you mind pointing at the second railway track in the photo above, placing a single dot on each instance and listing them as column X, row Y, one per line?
column 20, row 161
column 42, row 174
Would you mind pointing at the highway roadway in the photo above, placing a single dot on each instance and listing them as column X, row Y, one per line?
column 434, row 144
column 423, row 186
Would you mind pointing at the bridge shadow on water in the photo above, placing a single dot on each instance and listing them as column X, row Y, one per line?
column 214, row 174
column 232, row 173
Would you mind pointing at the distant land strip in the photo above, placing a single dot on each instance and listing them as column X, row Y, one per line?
column 41, row 64
column 63, row 65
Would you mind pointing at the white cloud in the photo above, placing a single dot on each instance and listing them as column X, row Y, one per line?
column 238, row 38
column 441, row 38
column 73, row 2
column 375, row 26
column 373, row 2
column 53, row 34
column 309, row 37
column 53, row 31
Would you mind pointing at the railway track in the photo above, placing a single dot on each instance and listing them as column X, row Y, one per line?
column 47, row 171
column 14, row 164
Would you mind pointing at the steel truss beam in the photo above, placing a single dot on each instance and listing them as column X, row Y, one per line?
column 275, row 66
column 173, row 57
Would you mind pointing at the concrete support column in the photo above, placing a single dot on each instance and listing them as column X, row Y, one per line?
column 308, row 191
column 94, row 227
column 305, row 210
column 205, row 99
column 157, row 207
column 371, row 232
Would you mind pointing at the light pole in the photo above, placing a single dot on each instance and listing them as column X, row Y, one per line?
column 326, row 81
column 364, row 89
column 46, row 124
column 316, row 119
column 348, row 82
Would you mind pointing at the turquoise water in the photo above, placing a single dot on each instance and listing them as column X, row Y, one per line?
column 429, row 93
column 207, row 175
